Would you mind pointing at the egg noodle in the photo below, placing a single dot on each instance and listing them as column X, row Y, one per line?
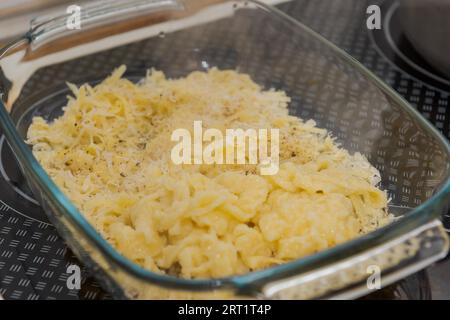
column 110, row 154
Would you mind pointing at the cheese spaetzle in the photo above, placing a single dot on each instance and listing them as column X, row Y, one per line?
column 110, row 154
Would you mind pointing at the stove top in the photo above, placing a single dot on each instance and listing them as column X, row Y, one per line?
column 34, row 259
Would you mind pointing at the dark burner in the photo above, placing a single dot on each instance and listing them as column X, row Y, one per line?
column 391, row 43
column 14, row 186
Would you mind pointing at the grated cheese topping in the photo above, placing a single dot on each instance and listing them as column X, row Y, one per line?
column 110, row 154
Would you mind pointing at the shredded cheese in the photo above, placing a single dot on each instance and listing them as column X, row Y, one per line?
column 110, row 153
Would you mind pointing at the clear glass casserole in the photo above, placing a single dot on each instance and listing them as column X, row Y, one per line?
column 325, row 84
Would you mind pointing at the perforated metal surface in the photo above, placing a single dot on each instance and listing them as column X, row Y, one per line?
column 34, row 259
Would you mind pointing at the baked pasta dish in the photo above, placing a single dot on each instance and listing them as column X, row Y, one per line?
column 110, row 153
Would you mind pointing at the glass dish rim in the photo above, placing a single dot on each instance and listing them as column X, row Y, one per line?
column 411, row 220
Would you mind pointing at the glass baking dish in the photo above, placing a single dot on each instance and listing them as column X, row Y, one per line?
column 326, row 84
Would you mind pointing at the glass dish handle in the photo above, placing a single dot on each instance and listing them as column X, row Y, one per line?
column 45, row 29
column 364, row 272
